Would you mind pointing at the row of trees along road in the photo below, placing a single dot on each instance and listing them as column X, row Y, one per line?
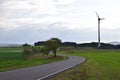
column 48, row 46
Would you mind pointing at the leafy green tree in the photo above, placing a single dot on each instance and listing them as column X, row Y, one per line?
column 52, row 45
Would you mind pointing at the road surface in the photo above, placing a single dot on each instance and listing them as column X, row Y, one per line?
column 41, row 72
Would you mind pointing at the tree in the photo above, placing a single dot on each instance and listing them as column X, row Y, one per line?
column 27, row 52
column 25, row 45
column 52, row 45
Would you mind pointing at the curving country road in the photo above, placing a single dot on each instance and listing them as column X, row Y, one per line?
column 43, row 71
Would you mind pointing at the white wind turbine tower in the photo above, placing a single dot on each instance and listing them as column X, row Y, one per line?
column 99, row 45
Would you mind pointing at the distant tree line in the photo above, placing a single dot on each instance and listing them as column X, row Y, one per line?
column 39, row 43
column 95, row 45
column 92, row 44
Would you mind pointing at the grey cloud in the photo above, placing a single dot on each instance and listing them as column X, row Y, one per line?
column 110, row 34
column 1, row 1
column 32, row 35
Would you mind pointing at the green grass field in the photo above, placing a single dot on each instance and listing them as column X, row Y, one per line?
column 12, row 58
column 100, row 65
column 9, row 49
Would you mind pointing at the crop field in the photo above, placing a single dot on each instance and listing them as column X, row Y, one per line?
column 12, row 58
column 100, row 65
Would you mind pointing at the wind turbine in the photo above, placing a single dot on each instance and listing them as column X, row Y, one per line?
column 99, row 45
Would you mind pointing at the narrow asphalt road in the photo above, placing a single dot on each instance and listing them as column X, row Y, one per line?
column 43, row 71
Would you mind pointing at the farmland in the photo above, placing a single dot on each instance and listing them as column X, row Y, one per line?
column 101, row 64
column 12, row 58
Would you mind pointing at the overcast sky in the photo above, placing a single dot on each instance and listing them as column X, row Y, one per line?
column 29, row 21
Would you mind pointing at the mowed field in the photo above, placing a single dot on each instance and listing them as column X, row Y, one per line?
column 100, row 65
column 13, row 58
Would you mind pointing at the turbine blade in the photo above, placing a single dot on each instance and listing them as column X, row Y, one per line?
column 102, row 18
column 97, row 14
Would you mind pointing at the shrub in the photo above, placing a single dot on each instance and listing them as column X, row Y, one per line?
column 27, row 52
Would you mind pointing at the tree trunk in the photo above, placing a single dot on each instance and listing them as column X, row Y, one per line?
column 54, row 51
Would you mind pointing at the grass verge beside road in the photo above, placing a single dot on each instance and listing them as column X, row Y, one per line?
column 100, row 65
column 10, row 59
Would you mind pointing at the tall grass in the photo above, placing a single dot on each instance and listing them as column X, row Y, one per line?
column 100, row 65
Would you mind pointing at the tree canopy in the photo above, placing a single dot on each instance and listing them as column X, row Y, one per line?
column 52, row 45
